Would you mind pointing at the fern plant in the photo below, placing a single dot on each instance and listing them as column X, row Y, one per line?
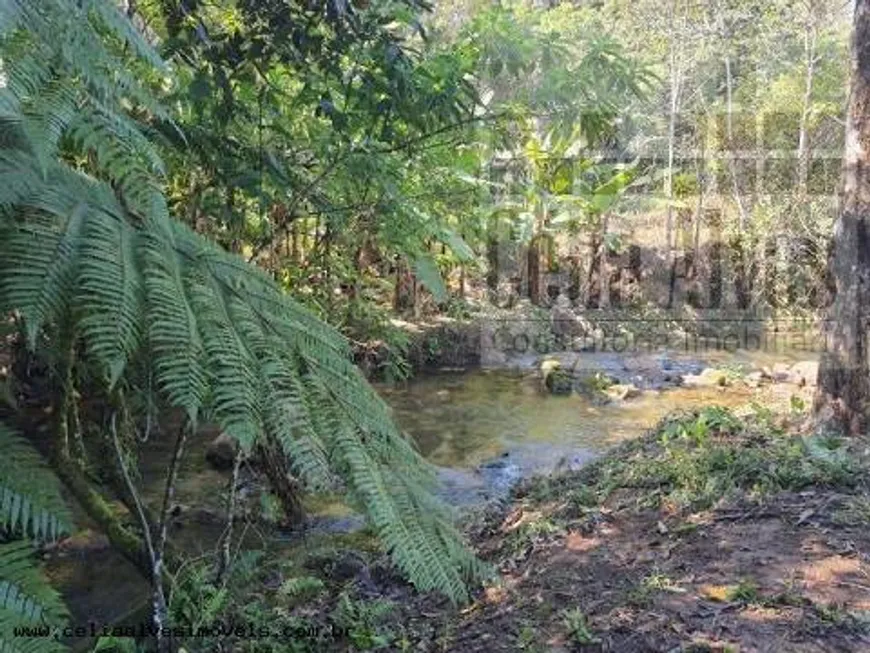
column 31, row 508
column 89, row 254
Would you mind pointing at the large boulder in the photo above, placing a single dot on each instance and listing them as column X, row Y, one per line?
column 557, row 380
column 708, row 378
column 564, row 322
column 221, row 452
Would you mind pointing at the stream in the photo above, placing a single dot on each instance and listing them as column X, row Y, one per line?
column 483, row 430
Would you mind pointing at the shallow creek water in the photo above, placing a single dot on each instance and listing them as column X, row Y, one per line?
column 484, row 430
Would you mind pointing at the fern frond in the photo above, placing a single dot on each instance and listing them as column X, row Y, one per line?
column 23, row 592
column 110, row 16
column 236, row 390
column 30, row 507
column 30, row 497
column 109, row 294
column 26, row 599
column 173, row 333
column 290, row 419
column 127, row 157
column 99, row 255
column 47, row 114
column 37, row 272
column 20, row 181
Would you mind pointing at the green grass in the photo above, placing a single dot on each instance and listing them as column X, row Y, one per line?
column 855, row 512
column 577, row 627
column 642, row 594
column 746, row 591
column 691, row 461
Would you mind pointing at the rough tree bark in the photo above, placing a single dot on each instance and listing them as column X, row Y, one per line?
column 843, row 393
column 271, row 459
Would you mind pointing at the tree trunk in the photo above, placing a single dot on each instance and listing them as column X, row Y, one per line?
column 592, row 295
column 534, row 267
column 604, row 267
column 492, row 255
column 716, row 256
column 742, row 277
column 675, row 75
column 810, row 38
column 844, row 376
column 222, row 565
column 234, row 229
column 669, row 171
column 274, row 463
column 729, row 129
column 403, row 298
column 294, row 243
column 699, row 211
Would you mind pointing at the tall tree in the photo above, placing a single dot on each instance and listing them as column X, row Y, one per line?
column 843, row 394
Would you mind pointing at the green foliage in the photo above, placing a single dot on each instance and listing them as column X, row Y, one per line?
column 691, row 461
column 26, row 601
column 854, row 512
column 91, row 250
column 31, row 508
column 320, row 125
column 642, row 595
column 577, row 626
column 117, row 645
column 196, row 601
column 704, row 457
column 301, row 587
column 361, row 619
column 428, row 274
column 711, row 419
column 30, row 498
column 270, row 508
column 746, row 591
column 531, row 533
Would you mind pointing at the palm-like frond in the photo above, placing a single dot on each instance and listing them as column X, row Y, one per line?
column 30, row 503
column 25, row 598
column 110, row 294
column 95, row 253
column 30, row 507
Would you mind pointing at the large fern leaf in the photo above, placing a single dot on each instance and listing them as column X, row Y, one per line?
column 109, row 294
column 30, row 503
column 172, row 332
column 94, row 251
column 27, row 602
column 37, row 279
column 30, row 507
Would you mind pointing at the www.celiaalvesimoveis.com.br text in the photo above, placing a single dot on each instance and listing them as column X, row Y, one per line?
column 146, row 630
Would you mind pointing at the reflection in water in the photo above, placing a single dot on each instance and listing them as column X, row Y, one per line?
column 457, row 420
column 460, row 420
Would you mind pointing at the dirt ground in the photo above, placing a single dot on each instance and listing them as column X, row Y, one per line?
column 782, row 577
column 713, row 532
column 785, row 572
